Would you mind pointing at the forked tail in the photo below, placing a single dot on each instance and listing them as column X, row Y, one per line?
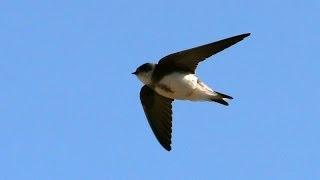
column 221, row 98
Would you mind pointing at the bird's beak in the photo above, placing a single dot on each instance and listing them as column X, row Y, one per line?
column 135, row 73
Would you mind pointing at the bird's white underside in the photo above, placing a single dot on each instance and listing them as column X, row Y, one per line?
column 184, row 87
column 181, row 86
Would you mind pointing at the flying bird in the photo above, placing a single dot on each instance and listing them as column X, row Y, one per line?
column 174, row 78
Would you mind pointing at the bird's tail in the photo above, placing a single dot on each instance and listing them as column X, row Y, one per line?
column 220, row 98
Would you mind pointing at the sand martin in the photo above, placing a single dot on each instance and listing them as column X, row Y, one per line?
column 174, row 78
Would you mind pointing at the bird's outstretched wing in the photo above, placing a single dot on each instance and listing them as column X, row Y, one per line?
column 188, row 60
column 158, row 110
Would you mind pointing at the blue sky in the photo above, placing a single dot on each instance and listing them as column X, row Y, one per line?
column 70, row 108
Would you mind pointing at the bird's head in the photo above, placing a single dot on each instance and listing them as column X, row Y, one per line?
column 144, row 72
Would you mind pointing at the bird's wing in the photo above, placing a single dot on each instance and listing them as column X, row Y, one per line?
column 188, row 60
column 159, row 114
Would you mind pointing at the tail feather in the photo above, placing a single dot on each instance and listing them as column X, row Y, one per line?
column 221, row 98
column 224, row 96
column 220, row 101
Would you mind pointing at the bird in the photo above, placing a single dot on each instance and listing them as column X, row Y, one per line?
column 174, row 78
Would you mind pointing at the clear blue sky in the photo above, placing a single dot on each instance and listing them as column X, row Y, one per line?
column 70, row 109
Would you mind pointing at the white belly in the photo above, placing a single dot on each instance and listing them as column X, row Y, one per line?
column 183, row 86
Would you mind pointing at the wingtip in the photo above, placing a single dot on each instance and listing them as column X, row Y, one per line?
column 246, row 34
column 168, row 148
column 241, row 36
